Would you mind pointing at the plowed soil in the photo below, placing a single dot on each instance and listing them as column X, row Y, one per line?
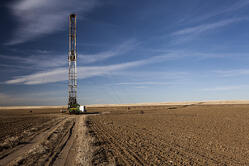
column 194, row 134
column 43, row 137
column 171, row 135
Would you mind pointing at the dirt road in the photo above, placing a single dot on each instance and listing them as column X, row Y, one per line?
column 60, row 141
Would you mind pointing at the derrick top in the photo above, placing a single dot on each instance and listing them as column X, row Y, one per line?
column 72, row 15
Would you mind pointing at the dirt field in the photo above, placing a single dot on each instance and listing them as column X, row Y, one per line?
column 192, row 134
column 171, row 135
column 43, row 137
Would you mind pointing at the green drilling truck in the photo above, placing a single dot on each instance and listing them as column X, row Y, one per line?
column 77, row 109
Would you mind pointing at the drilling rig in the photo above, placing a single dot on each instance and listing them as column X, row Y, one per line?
column 73, row 106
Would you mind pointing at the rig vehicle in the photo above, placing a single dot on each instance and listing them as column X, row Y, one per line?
column 77, row 109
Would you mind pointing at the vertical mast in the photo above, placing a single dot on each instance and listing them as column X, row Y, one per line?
column 72, row 57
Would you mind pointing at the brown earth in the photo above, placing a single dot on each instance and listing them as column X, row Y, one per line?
column 171, row 135
column 43, row 137
column 192, row 134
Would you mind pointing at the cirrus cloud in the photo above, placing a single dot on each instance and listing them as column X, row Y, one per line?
column 41, row 17
column 60, row 74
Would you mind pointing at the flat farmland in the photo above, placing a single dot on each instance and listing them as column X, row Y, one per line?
column 145, row 134
column 194, row 134
column 13, row 122
column 42, row 136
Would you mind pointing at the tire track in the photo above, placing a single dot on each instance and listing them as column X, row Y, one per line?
column 76, row 148
column 20, row 152
column 28, row 137
column 54, row 155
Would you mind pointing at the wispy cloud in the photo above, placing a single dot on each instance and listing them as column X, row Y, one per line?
column 44, row 59
column 40, row 17
column 191, row 33
column 226, row 9
column 37, row 61
column 40, row 77
column 154, row 75
column 142, row 83
column 57, row 74
column 224, row 88
column 206, row 27
column 121, row 49
column 231, row 73
column 60, row 74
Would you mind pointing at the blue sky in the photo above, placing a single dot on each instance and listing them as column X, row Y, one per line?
column 128, row 51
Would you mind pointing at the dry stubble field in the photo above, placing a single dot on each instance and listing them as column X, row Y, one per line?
column 121, row 135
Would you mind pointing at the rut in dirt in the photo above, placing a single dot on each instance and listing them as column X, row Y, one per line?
column 66, row 143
